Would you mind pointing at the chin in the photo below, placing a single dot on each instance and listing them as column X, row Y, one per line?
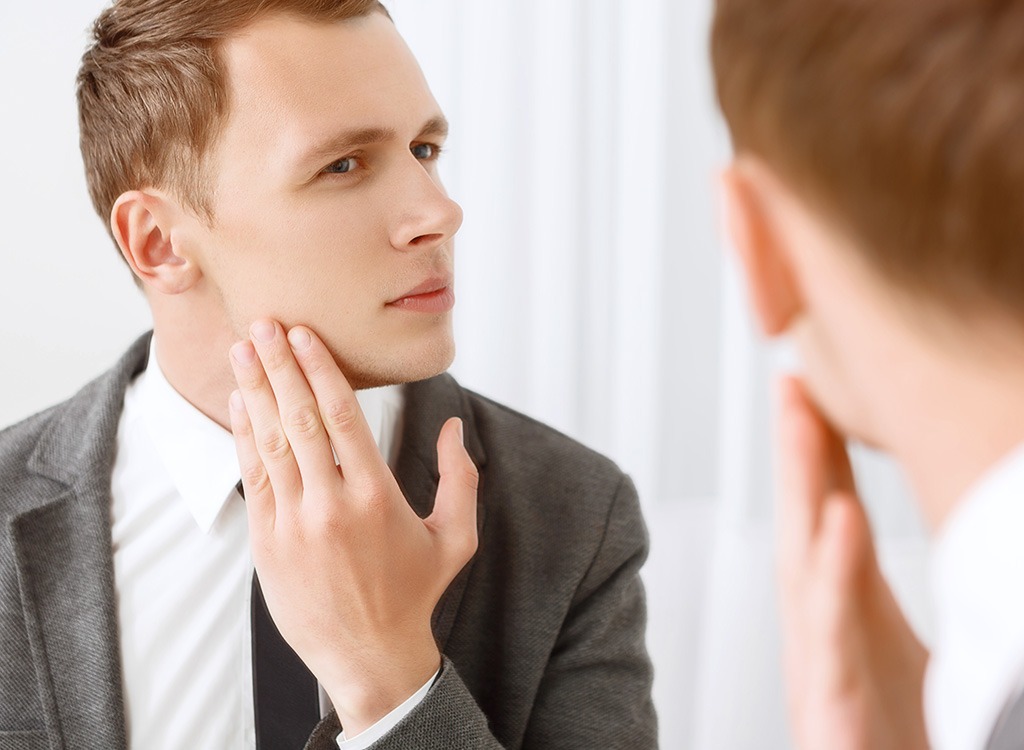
column 410, row 365
column 844, row 414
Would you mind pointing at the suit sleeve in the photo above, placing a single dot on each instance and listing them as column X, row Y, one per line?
column 448, row 719
column 596, row 688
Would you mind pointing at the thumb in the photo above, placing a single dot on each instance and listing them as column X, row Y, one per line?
column 454, row 518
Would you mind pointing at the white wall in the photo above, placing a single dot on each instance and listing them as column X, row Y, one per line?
column 67, row 305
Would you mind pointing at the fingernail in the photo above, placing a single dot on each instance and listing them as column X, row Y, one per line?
column 236, row 403
column 462, row 436
column 243, row 353
column 299, row 338
column 263, row 331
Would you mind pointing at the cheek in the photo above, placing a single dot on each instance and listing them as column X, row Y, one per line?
column 291, row 251
column 312, row 258
column 298, row 285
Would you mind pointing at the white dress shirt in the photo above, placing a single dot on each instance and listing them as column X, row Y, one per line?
column 977, row 659
column 183, row 572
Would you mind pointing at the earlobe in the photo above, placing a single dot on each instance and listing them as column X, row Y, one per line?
column 771, row 282
column 142, row 225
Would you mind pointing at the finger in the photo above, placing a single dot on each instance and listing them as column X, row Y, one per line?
column 296, row 406
column 454, row 517
column 270, row 438
column 259, row 496
column 845, row 548
column 836, row 469
column 346, row 426
column 802, row 449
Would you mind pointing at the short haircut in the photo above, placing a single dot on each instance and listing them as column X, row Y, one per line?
column 903, row 122
column 152, row 94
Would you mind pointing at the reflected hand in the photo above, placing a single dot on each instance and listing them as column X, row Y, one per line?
column 350, row 573
column 854, row 668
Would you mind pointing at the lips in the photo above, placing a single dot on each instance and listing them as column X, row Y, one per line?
column 435, row 295
column 430, row 286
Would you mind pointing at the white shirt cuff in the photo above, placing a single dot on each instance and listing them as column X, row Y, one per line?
column 364, row 739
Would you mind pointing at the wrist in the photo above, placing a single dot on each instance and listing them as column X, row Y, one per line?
column 368, row 692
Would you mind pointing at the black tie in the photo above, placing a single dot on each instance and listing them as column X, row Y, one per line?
column 286, row 699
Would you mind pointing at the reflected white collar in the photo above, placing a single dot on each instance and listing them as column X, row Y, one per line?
column 199, row 454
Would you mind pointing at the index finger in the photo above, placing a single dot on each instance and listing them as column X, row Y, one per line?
column 803, row 467
column 342, row 416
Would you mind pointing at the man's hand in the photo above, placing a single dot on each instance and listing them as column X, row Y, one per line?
column 854, row 668
column 350, row 573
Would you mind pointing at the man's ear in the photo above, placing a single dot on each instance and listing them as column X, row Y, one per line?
column 771, row 279
column 143, row 224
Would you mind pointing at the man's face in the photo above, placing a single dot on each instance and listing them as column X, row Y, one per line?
column 328, row 209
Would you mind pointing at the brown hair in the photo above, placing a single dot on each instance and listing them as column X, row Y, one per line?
column 901, row 121
column 152, row 95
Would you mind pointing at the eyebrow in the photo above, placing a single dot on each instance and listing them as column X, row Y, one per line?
column 338, row 144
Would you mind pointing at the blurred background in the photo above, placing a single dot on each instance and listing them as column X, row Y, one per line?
column 596, row 293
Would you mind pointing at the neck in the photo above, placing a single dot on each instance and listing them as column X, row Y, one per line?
column 192, row 352
column 951, row 418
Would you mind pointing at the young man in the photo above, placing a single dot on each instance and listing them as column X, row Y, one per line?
column 873, row 202
column 268, row 171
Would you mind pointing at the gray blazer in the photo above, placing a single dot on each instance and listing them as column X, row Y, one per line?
column 542, row 633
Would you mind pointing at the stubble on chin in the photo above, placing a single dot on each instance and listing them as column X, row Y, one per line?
column 379, row 369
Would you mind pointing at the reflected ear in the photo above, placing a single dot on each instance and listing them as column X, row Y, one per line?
column 771, row 279
column 143, row 224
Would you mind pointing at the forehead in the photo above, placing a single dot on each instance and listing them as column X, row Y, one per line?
column 293, row 79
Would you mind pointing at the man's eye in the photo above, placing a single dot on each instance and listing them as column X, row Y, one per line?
column 342, row 166
column 426, row 151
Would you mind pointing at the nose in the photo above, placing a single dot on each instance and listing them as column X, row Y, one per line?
column 428, row 218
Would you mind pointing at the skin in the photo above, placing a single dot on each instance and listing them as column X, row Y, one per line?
column 317, row 239
column 847, row 688
column 891, row 369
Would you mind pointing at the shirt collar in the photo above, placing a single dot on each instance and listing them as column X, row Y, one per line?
column 199, row 454
column 383, row 409
column 977, row 564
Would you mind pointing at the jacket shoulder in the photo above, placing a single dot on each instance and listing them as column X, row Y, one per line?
column 516, row 440
column 546, row 484
column 68, row 440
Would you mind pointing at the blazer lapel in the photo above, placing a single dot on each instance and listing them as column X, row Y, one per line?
column 428, row 405
column 63, row 552
column 66, row 580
